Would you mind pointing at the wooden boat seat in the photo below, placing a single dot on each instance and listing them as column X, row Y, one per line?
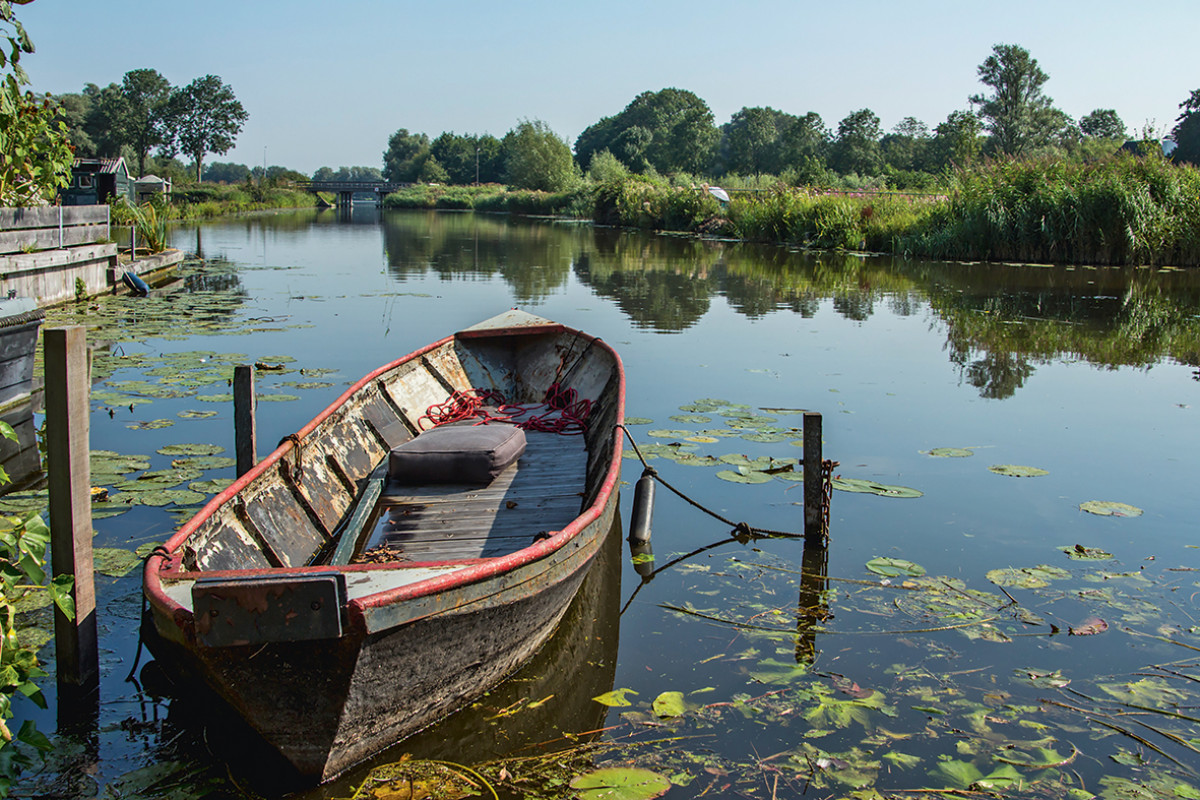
column 437, row 522
column 460, row 453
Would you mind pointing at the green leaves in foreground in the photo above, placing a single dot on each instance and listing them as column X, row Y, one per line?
column 620, row 783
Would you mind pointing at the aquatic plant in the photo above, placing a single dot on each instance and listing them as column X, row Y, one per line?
column 23, row 581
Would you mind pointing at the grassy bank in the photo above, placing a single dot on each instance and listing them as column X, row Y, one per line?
column 495, row 197
column 1121, row 210
column 1115, row 211
column 208, row 200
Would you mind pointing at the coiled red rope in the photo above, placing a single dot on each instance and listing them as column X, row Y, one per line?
column 561, row 411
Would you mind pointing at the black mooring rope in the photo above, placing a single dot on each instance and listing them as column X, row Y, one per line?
column 739, row 528
column 158, row 550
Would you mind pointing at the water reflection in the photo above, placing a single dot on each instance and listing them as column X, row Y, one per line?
column 1000, row 320
column 532, row 258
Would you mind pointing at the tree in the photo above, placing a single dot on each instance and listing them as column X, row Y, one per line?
column 1017, row 115
column 670, row 130
column 405, row 155
column 491, row 159
column 752, row 140
column 856, row 148
column 223, row 172
column 1187, row 131
column 904, row 148
column 804, row 146
column 73, row 111
column 104, row 124
column 204, row 117
column 35, row 157
column 956, row 141
column 469, row 157
column 536, row 158
column 146, row 97
column 1103, row 123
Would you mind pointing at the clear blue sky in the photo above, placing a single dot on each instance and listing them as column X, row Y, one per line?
column 326, row 83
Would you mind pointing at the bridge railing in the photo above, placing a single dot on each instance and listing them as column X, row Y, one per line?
column 379, row 187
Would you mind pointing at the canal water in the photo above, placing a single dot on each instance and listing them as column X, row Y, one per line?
column 973, row 624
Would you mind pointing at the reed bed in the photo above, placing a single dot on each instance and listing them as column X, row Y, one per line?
column 1121, row 210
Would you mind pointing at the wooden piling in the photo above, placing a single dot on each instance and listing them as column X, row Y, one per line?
column 67, row 453
column 814, row 492
column 244, row 424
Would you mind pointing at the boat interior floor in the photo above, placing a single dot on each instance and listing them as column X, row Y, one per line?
column 542, row 492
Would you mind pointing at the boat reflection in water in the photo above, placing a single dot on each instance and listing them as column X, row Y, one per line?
column 550, row 695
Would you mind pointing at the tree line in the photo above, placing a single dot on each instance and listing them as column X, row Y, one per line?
column 145, row 113
column 673, row 131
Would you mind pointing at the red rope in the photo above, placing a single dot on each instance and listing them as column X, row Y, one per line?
column 564, row 413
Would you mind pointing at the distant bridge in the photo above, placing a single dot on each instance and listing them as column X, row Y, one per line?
column 345, row 190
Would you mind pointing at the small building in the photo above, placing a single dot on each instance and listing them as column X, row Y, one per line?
column 151, row 186
column 1138, row 146
column 97, row 180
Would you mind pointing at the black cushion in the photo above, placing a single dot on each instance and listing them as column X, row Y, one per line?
column 457, row 454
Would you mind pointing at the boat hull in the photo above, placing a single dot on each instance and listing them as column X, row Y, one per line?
column 407, row 655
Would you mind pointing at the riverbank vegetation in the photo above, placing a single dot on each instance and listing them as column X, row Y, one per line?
column 1012, row 178
column 1122, row 209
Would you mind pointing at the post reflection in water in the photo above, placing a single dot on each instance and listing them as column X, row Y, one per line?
column 812, row 610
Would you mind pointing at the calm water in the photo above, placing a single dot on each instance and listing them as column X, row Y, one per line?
column 791, row 685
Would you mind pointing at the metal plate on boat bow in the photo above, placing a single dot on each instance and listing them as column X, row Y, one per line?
column 513, row 321
column 275, row 608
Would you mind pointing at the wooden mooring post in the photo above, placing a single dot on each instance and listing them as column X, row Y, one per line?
column 67, row 453
column 245, row 432
column 814, row 484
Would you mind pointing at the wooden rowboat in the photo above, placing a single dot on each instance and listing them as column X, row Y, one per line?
column 331, row 661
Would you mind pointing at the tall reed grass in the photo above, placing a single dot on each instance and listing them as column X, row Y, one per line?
column 1119, row 210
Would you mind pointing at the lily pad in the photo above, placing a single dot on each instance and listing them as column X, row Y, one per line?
column 276, row 398
column 204, row 462
column 720, row 433
column 1027, row 577
column 871, row 487
column 114, row 561
column 191, row 450
column 1017, row 471
column 690, row 419
column 190, row 414
column 744, row 475
column 210, row 486
column 151, row 424
column 949, row 452
column 1109, row 508
column 669, row 704
column 664, row 433
column 767, row 438
column 693, row 460
column 638, row 421
column 616, row 698
column 895, row 567
column 620, row 783
column 1080, row 553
